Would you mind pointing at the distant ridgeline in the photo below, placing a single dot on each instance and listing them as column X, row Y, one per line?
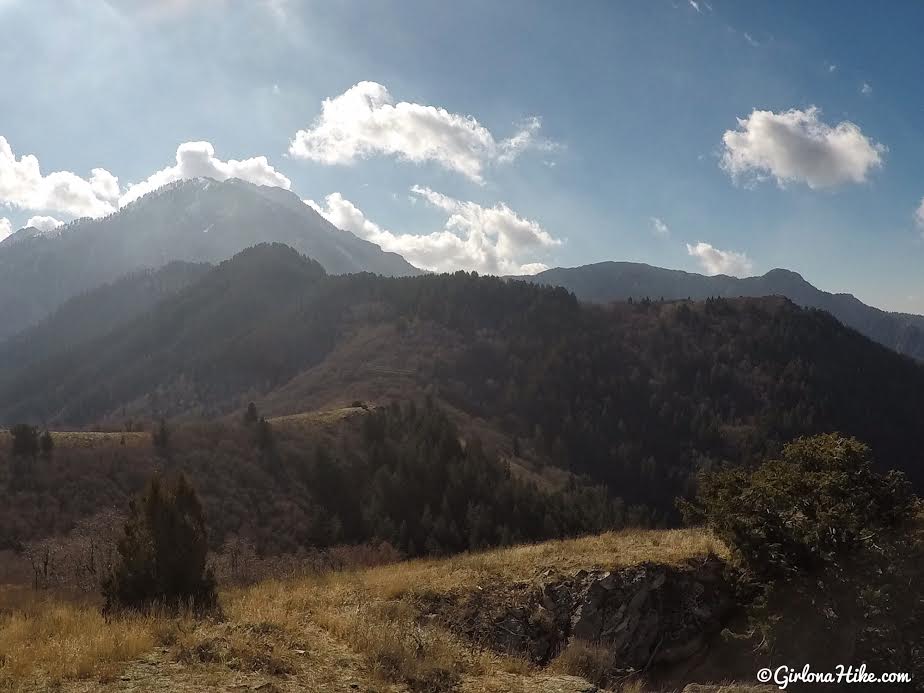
column 619, row 281
column 636, row 396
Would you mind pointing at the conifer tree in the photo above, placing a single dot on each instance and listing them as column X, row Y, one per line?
column 162, row 553
column 161, row 437
column 46, row 444
column 25, row 440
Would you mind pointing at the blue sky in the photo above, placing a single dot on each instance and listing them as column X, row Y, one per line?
column 559, row 133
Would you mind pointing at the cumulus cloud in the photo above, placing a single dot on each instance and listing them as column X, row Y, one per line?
column 6, row 228
column 365, row 121
column 44, row 224
column 796, row 146
column 715, row 261
column 659, row 228
column 866, row 89
column 486, row 239
column 22, row 185
column 198, row 160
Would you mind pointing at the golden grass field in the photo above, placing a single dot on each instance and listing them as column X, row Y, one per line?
column 90, row 439
column 316, row 633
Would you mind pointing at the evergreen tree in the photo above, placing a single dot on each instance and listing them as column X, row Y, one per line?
column 162, row 554
column 25, row 440
column 251, row 416
column 161, row 437
column 264, row 435
column 46, row 444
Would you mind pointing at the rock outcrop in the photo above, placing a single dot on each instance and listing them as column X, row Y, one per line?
column 644, row 615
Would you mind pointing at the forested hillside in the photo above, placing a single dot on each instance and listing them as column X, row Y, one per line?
column 401, row 474
column 197, row 220
column 95, row 313
column 619, row 281
column 635, row 395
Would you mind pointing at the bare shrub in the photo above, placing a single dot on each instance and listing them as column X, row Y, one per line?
column 239, row 563
column 589, row 660
column 81, row 559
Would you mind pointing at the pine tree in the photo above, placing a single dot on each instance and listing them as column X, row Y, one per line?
column 46, row 444
column 162, row 554
column 161, row 437
column 25, row 440
column 264, row 435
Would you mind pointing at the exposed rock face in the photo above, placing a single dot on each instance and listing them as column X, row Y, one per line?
column 645, row 614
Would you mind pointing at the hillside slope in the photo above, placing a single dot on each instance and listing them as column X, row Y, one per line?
column 95, row 313
column 631, row 612
column 198, row 220
column 402, row 474
column 398, row 627
column 637, row 396
column 619, row 281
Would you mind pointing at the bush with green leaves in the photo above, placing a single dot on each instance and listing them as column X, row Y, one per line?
column 162, row 554
column 818, row 502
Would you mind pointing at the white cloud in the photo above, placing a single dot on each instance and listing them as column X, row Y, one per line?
column 715, row 261
column 44, row 224
column 365, row 121
column 919, row 215
column 659, row 227
column 6, row 228
column 695, row 6
column 23, row 186
column 832, row 67
column 197, row 160
column 526, row 138
column 866, row 89
column 751, row 40
column 486, row 239
column 795, row 146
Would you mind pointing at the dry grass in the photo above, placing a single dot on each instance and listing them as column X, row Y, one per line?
column 318, row 630
column 90, row 439
column 582, row 658
column 606, row 551
column 50, row 641
column 314, row 418
column 366, row 609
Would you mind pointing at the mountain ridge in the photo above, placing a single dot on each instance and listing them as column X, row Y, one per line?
column 197, row 220
column 638, row 396
column 607, row 281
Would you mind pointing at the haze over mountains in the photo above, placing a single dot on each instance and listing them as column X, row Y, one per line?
column 618, row 281
column 206, row 221
column 635, row 395
column 198, row 220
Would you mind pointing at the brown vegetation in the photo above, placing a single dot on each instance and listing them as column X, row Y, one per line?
column 362, row 626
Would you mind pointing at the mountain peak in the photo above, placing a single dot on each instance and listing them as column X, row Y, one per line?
column 195, row 220
column 782, row 273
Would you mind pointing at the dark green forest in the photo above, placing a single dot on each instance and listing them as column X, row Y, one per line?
column 400, row 474
column 636, row 396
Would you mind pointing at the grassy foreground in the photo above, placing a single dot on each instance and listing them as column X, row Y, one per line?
column 336, row 631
